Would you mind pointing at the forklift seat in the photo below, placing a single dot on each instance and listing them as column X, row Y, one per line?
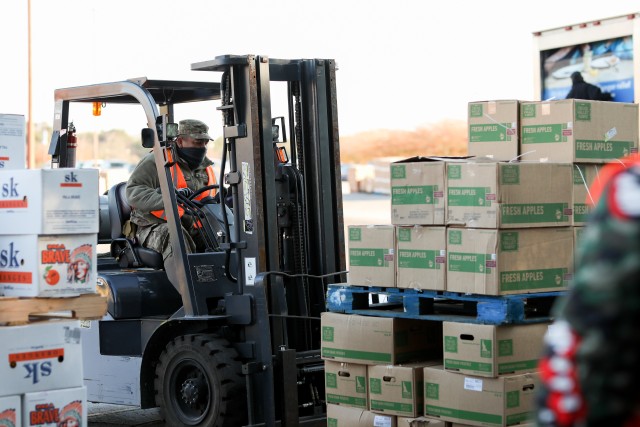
column 126, row 251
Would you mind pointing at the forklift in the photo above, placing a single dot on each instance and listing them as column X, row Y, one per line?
column 231, row 336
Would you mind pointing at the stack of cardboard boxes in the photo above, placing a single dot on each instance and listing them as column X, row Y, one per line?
column 503, row 221
column 48, row 241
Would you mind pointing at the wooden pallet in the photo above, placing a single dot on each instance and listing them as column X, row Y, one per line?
column 441, row 305
column 19, row 311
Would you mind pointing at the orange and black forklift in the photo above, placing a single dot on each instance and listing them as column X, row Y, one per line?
column 231, row 337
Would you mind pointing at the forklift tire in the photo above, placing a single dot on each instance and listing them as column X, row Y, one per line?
column 199, row 383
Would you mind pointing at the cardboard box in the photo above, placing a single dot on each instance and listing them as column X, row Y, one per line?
column 477, row 401
column 40, row 356
column 578, row 233
column 447, row 424
column 371, row 255
column 346, row 384
column 11, row 411
column 419, row 422
column 417, row 191
column 584, row 176
column 13, row 141
column 578, row 131
column 501, row 262
column 378, row 340
column 343, row 416
column 397, row 390
column 421, row 257
column 490, row 351
column 49, row 201
column 493, row 129
column 509, row 195
column 55, row 408
column 48, row 266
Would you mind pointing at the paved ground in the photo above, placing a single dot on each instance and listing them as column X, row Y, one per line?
column 358, row 208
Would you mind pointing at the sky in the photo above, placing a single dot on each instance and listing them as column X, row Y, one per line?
column 402, row 64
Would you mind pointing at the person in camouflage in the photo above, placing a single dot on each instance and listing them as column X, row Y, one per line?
column 192, row 171
column 591, row 367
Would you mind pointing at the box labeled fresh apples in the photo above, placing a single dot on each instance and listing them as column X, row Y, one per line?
column 48, row 266
column 55, row 408
column 13, row 141
column 49, row 201
column 40, row 356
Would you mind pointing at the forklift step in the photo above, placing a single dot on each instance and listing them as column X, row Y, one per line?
column 20, row 311
column 441, row 305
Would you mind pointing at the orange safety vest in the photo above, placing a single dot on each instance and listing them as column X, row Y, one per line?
column 182, row 183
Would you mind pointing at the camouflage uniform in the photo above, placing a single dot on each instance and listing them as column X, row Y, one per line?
column 591, row 369
column 143, row 194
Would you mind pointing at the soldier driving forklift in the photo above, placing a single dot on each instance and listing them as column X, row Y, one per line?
column 230, row 335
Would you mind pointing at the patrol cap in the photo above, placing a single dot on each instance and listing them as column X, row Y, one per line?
column 194, row 129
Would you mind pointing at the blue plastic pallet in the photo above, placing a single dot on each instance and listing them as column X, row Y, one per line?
column 441, row 305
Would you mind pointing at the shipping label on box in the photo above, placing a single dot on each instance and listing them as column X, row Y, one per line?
column 346, row 384
column 579, row 131
column 417, row 192
column 501, row 262
column 11, row 411
column 371, row 255
column 378, row 340
column 48, row 266
column 397, row 390
column 489, row 350
column 40, row 356
column 498, row 402
column 344, row 416
column 13, row 141
column 509, row 195
column 49, row 201
column 421, row 257
column 584, row 175
column 493, row 129
column 55, row 408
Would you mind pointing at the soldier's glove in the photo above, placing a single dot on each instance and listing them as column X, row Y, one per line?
column 184, row 192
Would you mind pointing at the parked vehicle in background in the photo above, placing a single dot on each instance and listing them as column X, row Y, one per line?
column 111, row 171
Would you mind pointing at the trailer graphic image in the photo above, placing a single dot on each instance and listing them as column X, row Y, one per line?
column 230, row 336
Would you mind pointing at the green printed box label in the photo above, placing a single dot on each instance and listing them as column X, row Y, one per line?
column 356, row 355
column 331, row 380
column 522, row 365
column 461, row 262
column 467, row 365
column 432, row 391
column 355, row 234
column 450, row 344
column 529, row 111
column 509, row 241
column 407, row 390
column 327, row 333
column 404, row 234
column 361, row 385
column 470, row 196
column 454, row 171
column 519, row 418
column 375, row 386
column 460, row 414
column 581, row 212
column 579, row 174
column 534, row 213
column 510, row 174
column 583, row 112
column 513, row 399
column 368, row 257
column 475, row 110
column 413, row 258
column 505, row 348
column 486, row 349
column 382, row 405
column 533, row 279
column 414, row 195
column 597, row 149
column 455, row 237
column 359, row 402
column 332, row 422
column 544, row 134
column 490, row 132
column 398, row 172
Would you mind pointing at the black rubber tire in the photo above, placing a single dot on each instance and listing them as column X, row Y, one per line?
column 199, row 383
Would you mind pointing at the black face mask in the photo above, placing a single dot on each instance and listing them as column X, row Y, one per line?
column 192, row 155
